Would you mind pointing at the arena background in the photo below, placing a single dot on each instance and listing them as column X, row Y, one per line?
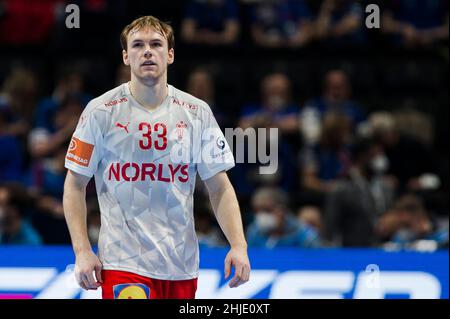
column 353, row 105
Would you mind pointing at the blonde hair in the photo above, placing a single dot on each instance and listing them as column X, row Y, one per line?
column 148, row 21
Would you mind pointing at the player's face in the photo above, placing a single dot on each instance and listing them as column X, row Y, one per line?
column 147, row 54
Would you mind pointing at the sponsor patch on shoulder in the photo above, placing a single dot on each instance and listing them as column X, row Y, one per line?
column 80, row 152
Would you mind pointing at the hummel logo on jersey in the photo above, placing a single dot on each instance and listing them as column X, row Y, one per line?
column 125, row 127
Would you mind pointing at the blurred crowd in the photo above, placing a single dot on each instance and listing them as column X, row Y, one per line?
column 347, row 176
column 265, row 23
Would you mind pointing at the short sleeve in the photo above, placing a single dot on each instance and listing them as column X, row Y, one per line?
column 86, row 145
column 216, row 155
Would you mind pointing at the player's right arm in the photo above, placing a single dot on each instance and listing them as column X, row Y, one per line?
column 75, row 212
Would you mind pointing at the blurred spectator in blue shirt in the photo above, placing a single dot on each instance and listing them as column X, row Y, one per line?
column 336, row 98
column 46, row 180
column 416, row 23
column 42, row 141
column 275, row 109
column 281, row 23
column 339, row 22
column 212, row 22
column 15, row 228
column 311, row 216
column 11, row 158
column 324, row 163
column 275, row 225
column 47, row 175
column 18, row 101
column 70, row 85
column 408, row 225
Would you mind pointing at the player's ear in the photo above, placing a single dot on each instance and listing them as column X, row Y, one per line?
column 171, row 56
column 125, row 57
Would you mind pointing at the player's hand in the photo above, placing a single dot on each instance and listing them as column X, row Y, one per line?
column 85, row 265
column 237, row 257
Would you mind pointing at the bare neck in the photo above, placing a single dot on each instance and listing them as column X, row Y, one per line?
column 149, row 95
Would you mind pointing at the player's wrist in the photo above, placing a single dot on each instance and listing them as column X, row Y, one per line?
column 240, row 245
column 82, row 250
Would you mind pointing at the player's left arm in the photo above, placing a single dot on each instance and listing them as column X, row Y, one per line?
column 226, row 209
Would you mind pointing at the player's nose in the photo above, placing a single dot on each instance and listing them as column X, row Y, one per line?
column 147, row 52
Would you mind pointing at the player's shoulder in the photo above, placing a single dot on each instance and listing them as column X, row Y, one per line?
column 108, row 100
column 189, row 102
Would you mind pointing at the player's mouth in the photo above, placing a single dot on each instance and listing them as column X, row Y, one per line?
column 148, row 64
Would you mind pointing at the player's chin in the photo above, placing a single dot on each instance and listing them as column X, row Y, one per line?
column 148, row 72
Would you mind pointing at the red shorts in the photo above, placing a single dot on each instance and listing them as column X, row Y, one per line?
column 126, row 285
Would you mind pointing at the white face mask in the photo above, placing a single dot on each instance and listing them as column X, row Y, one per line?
column 380, row 164
column 266, row 221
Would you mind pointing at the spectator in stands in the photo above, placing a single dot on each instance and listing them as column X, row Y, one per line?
column 329, row 160
column 275, row 225
column 281, row 23
column 311, row 216
column 15, row 227
column 47, row 174
column 276, row 108
column 201, row 85
column 70, row 85
column 11, row 154
column 18, row 101
column 357, row 201
column 211, row 22
column 408, row 225
column 46, row 180
column 416, row 23
column 339, row 22
column 336, row 98
column 43, row 141
column 410, row 161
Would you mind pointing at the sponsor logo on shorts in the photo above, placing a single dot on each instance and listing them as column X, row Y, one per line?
column 131, row 291
column 80, row 152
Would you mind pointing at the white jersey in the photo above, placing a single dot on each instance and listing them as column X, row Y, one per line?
column 145, row 165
